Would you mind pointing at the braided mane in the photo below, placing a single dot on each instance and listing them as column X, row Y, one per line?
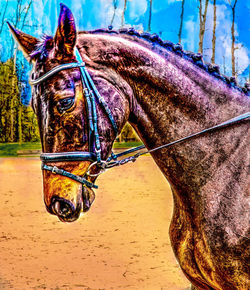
column 195, row 58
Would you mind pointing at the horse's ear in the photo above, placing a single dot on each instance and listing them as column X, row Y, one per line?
column 27, row 42
column 65, row 38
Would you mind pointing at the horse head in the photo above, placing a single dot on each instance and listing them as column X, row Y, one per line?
column 62, row 111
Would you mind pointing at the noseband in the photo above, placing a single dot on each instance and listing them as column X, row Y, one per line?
column 94, row 154
column 92, row 95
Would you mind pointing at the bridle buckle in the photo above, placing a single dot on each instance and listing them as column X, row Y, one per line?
column 101, row 164
column 98, row 150
column 54, row 169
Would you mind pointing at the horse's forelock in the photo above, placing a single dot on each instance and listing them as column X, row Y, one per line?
column 42, row 48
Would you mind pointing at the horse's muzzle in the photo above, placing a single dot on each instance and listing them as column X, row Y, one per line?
column 64, row 209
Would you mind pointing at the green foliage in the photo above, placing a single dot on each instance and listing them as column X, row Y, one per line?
column 30, row 129
column 128, row 134
column 118, row 145
column 10, row 149
column 17, row 122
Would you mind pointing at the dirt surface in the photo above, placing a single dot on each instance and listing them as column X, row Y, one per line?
column 121, row 243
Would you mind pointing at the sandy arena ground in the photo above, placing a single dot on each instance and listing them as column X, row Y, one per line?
column 121, row 243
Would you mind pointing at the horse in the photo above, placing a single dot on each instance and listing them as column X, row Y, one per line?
column 165, row 93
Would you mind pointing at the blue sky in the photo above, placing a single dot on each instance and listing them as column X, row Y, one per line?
column 91, row 14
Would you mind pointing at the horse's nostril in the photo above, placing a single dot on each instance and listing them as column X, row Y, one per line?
column 62, row 207
column 57, row 207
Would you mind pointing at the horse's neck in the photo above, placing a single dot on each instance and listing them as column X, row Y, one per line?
column 169, row 98
column 175, row 100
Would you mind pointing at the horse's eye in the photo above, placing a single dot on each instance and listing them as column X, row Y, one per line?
column 65, row 104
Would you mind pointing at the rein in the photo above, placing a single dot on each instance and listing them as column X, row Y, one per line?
column 109, row 163
column 94, row 154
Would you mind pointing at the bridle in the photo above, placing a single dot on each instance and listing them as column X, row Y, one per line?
column 91, row 94
column 94, row 154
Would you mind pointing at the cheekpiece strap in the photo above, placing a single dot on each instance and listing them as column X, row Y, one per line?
column 91, row 86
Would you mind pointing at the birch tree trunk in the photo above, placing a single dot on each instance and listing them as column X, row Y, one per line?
column 12, row 97
column 123, row 13
column 214, row 34
column 113, row 17
column 20, row 132
column 234, row 73
column 150, row 15
column 181, row 24
column 203, row 17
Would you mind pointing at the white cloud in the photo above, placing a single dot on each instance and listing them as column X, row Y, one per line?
column 242, row 59
column 138, row 27
column 223, row 53
column 191, row 34
column 106, row 12
column 241, row 55
column 224, row 28
column 137, row 8
column 117, row 19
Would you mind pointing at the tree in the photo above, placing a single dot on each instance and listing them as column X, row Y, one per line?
column 128, row 134
column 202, row 17
column 14, row 87
column 150, row 15
column 123, row 13
column 181, row 23
column 19, row 20
column 214, row 35
column 233, row 48
column 115, row 3
column 8, row 102
column 15, row 118
column 22, row 10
